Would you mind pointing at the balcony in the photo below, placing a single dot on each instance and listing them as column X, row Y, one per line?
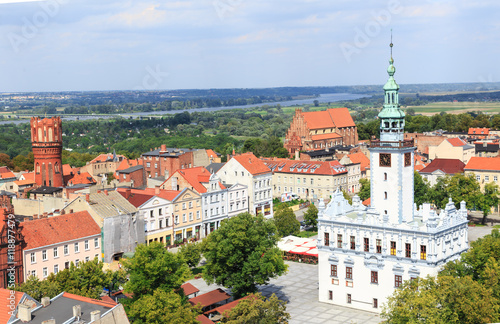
column 398, row 144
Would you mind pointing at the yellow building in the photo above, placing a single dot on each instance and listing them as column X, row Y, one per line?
column 187, row 215
column 486, row 169
column 452, row 148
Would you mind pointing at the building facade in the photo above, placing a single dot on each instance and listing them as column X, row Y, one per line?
column 320, row 130
column 187, row 215
column 366, row 253
column 46, row 142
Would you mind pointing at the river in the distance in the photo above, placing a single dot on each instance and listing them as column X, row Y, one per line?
column 326, row 97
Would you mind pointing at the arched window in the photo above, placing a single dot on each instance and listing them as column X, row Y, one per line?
column 51, row 136
column 40, row 138
column 385, row 176
column 37, row 168
column 385, row 194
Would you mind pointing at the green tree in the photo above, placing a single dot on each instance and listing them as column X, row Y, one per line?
column 38, row 289
column 311, row 216
column 364, row 192
column 162, row 307
column 286, row 221
column 242, row 253
column 257, row 310
column 347, row 196
column 152, row 267
column 488, row 199
column 191, row 253
column 421, row 189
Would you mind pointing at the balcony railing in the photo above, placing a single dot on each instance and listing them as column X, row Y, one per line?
column 398, row 144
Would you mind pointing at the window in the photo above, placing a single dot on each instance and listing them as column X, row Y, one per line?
column 398, row 280
column 348, row 298
column 486, row 178
column 374, row 277
column 151, row 214
column 87, row 259
column 408, row 250
column 478, row 178
column 353, row 243
column 87, row 245
column 330, row 294
column 375, row 303
column 393, row 248
column 45, row 272
column 56, row 268
column 44, row 255
column 66, row 250
column 176, row 219
column 184, row 218
column 33, row 257
column 348, row 272
column 148, row 164
column 385, row 176
column 333, row 270
column 77, row 261
column 183, row 205
column 339, row 241
column 33, row 273
column 379, row 245
column 367, row 244
column 197, row 214
column 190, row 216
column 327, row 239
column 385, row 195
column 56, row 253
column 96, row 243
column 77, row 248
column 190, row 204
column 495, row 178
column 423, row 252
column 407, row 159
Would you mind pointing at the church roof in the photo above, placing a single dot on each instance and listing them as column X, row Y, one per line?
column 330, row 118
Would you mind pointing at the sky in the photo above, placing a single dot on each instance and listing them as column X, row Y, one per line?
column 80, row 45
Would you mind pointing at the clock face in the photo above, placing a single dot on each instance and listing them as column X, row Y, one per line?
column 385, row 159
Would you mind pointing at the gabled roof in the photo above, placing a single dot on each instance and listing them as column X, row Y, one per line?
column 195, row 177
column 448, row 166
column 483, row 164
column 360, row 158
column 5, row 173
column 210, row 298
column 479, row 131
column 251, row 163
column 189, row 289
column 67, row 169
column 29, row 178
column 212, row 153
column 333, row 117
column 456, row 141
column 5, row 302
column 82, row 178
column 106, row 158
column 110, row 204
column 136, row 199
column 367, row 202
column 228, row 306
column 306, row 167
column 58, row 229
column 149, row 192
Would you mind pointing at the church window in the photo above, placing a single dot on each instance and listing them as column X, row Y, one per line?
column 386, row 124
column 37, row 168
column 393, row 248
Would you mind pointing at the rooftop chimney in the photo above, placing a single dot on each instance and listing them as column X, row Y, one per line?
column 163, row 148
column 45, row 301
column 24, row 312
column 157, row 190
column 128, row 192
column 71, row 211
column 77, row 311
column 63, row 212
column 95, row 315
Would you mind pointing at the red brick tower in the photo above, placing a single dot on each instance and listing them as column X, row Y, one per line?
column 46, row 141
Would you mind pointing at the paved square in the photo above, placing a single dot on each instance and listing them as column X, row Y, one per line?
column 299, row 287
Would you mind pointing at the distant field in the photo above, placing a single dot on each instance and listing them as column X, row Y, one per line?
column 457, row 107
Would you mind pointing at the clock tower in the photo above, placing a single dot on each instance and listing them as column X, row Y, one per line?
column 391, row 159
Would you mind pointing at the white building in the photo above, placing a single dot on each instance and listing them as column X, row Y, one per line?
column 364, row 254
column 248, row 170
column 220, row 203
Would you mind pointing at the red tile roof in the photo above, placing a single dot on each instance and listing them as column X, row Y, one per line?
column 90, row 300
column 448, row 166
column 367, row 202
column 6, row 173
column 189, row 289
column 108, row 299
column 136, row 199
column 210, row 298
column 305, row 167
column 483, row 164
column 479, row 131
column 325, row 136
column 228, row 306
column 29, row 178
column 195, row 177
column 165, row 194
column 203, row 319
column 456, row 141
column 360, row 158
column 251, row 163
column 333, row 117
column 57, row 229
column 82, row 178
column 211, row 153
column 4, row 303
column 66, row 168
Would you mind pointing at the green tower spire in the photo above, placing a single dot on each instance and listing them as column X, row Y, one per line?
column 392, row 118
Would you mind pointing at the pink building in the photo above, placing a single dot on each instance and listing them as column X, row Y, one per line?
column 53, row 243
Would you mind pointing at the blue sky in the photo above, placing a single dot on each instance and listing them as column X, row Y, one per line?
column 114, row 45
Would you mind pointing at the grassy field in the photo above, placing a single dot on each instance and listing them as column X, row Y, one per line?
column 457, row 107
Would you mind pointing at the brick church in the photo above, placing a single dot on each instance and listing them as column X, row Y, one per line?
column 319, row 130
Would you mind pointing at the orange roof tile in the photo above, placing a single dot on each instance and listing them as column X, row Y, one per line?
column 483, row 164
column 195, row 177
column 52, row 230
column 82, row 178
column 367, row 202
column 456, row 141
column 325, row 136
column 108, row 299
column 189, row 289
column 251, row 163
column 90, row 300
column 6, row 173
column 479, row 131
column 211, row 153
column 333, row 117
column 4, row 303
column 305, row 167
column 67, row 169
column 341, row 117
column 360, row 158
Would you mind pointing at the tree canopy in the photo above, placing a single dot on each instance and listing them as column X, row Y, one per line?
column 242, row 253
column 286, row 222
column 311, row 216
column 255, row 309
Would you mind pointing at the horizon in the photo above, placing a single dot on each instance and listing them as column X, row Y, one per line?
column 73, row 46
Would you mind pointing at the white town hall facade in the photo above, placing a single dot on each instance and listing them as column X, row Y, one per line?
column 366, row 253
